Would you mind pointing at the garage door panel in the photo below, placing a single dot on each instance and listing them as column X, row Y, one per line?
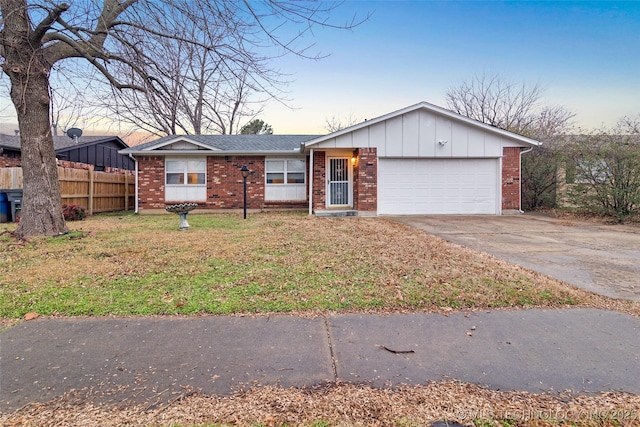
column 437, row 186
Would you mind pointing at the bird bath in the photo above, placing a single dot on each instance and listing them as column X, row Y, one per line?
column 182, row 209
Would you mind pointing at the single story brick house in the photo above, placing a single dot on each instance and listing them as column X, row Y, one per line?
column 422, row 159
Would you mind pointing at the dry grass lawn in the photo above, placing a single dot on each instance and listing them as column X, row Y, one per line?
column 276, row 262
column 143, row 265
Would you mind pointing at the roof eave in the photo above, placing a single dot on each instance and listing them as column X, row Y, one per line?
column 211, row 153
column 89, row 143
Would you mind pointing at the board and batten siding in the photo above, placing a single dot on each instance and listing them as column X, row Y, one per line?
column 417, row 134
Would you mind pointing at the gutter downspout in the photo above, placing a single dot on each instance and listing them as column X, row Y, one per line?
column 520, row 179
column 135, row 209
column 311, row 182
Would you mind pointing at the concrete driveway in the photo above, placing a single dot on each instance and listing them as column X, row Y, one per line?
column 600, row 258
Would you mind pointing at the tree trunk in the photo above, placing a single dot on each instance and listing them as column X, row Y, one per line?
column 41, row 213
column 41, row 206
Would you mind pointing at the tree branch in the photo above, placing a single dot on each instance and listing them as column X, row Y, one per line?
column 45, row 25
column 110, row 11
column 79, row 52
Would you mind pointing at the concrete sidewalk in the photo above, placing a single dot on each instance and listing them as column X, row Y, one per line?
column 154, row 360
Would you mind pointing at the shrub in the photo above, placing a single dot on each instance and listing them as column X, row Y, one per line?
column 73, row 212
column 539, row 178
column 607, row 172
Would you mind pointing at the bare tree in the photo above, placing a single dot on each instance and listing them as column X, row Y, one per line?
column 69, row 107
column 35, row 35
column 518, row 108
column 506, row 105
column 335, row 124
column 197, row 91
column 540, row 167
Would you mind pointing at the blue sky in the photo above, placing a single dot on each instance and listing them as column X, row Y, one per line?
column 586, row 56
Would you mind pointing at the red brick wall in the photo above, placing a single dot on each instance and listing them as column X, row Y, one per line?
column 225, row 191
column 511, row 178
column 10, row 162
column 319, row 177
column 86, row 166
column 365, row 180
column 73, row 165
column 16, row 161
column 151, row 182
column 365, row 176
column 224, row 182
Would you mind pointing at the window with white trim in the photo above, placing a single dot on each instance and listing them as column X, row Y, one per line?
column 185, row 179
column 285, row 179
column 185, row 172
column 285, row 171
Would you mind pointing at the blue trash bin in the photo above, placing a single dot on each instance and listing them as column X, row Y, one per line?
column 5, row 208
column 15, row 200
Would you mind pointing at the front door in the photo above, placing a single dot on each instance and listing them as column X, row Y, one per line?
column 338, row 188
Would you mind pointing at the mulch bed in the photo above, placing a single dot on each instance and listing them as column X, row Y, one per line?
column 346, row 405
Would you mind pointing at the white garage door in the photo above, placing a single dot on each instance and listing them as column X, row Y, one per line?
column 437, row 186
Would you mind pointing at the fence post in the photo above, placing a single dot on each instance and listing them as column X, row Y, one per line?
column 90, row 190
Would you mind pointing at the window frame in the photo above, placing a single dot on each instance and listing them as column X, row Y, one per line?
column 285, row 172
column 186, row 172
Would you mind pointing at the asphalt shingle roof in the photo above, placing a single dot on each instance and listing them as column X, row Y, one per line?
column 9, row 141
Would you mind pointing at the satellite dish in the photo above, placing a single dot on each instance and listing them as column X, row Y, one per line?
column 74, row 133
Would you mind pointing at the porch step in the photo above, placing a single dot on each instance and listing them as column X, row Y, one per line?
column 336, row 213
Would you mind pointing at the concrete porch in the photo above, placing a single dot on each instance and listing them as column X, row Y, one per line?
column 335, row 213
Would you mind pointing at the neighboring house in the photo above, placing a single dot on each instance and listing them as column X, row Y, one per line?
column 422, row 159
column 100, row 151
column 9, row 151
column 610, row 156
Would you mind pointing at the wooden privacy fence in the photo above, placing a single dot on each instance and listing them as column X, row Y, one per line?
column 95, row 191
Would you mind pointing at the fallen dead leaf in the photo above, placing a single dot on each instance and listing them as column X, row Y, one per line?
column 343, row 405
column 30, row 316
